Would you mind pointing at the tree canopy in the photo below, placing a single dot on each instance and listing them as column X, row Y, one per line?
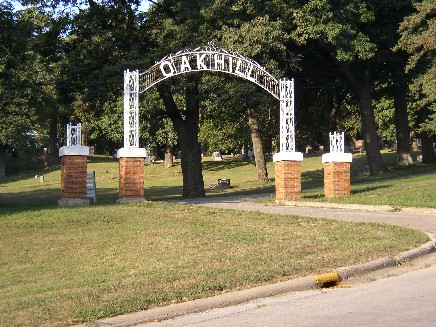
column 367, row 67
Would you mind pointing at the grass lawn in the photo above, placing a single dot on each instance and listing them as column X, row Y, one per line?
column 402, row 186
column 61, row 266
column 71, row 265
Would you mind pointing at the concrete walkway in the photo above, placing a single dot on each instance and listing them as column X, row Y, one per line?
column 416, row 218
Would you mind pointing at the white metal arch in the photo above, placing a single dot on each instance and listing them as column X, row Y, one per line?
column 208, row 59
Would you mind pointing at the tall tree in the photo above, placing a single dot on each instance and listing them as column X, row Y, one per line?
column 261, row 39
column 418, row 38
column 236, row 114
column 343, row 28
column 391, row 70
column 84, row 47
column 259, row 155
column 18, row 117
column 178, row 25
column 185, row 121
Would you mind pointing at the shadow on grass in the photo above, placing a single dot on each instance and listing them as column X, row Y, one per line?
column 226, row 164
column 163, row 193
column 101, row 159
column 24, row 168
column 312, row 179
column 318, row 194
column 369, row 189
column 234, row 191
column 156, row 193
column 20, row 172
column 39, row 199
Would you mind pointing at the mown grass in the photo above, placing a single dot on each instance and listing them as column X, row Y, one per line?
column 414, row 191
column 61, row 266
column 411, row 186
column 72, row 265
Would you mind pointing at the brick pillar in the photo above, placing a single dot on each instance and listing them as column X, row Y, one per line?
column 288, row 180
column 73, row 178
column 131, row 178
column 336, row 179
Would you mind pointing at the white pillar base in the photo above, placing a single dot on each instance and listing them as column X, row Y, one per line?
column 337, row 157
column 288, row 156
column 132, row 153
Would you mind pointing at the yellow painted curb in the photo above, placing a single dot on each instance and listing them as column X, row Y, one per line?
column 327, row 280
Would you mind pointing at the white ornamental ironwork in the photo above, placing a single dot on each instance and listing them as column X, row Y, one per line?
column 287, row 119
column 131, row 109
column 208, row 59
column 74, row 135
column 337, row 142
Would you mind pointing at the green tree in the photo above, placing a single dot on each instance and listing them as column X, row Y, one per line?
column 338, row 39
column 185, row 122
column 236, row 114
column 47, row 54
column 342, row 29
column 418, row 38
column 177, row 25
column 260, row 39
column 99, row 40
column 156, row 128
column 18, row 116
column 104, row 39
column 242, row 27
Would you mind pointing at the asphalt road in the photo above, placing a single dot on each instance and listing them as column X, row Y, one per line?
column 405, row 300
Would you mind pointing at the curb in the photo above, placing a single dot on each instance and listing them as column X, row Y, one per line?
column 218, row 301
column 238, row 297
column 362, row 269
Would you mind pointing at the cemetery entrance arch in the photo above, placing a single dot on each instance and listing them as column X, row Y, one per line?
column 192, row 60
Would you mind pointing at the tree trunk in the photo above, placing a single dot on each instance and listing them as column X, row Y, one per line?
column 402, row 129
column 330, row 110
column 53, row 142
column 2, row 161
column 369, row 126
column 428, row 155
column 259, row 156
column 186, row 127
column 193, row 184
column 244, row 152
column 331, row 113
column 369, row 131
column 169, row 155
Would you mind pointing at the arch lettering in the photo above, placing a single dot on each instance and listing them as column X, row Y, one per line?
column 209, row 59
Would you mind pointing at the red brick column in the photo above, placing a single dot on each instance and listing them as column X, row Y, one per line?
column 288, row 180
column 131, row 178
column 73, row 178
column 336, row 179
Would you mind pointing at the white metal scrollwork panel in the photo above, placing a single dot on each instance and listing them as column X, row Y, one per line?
column 287, row 119
column 131, row 109
column 74, row 135
column 337, row 142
